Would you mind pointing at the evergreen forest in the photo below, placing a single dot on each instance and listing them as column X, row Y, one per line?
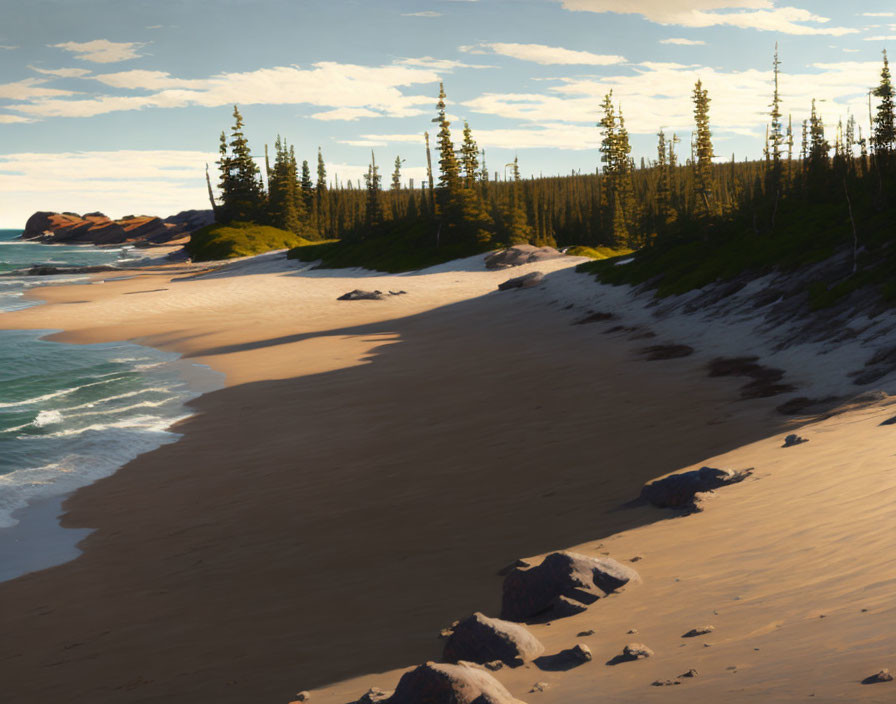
column 692, row 217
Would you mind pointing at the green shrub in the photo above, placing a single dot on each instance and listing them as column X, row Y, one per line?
column 597, row 252
column 238, row 239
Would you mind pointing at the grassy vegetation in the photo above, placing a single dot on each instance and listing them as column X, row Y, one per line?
column 598, row 252
column 803, row 235
column 238, row 239
column 402, row 247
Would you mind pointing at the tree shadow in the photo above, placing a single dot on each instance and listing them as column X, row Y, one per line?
column 310, row 530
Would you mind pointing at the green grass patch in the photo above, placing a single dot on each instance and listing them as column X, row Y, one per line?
column 598, row 252
column 238, row 239
column 805, row 234
column 398, row 248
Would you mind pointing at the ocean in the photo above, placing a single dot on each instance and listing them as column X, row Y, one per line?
column 71, row 414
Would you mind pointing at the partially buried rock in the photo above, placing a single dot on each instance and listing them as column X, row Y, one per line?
column 564, row 583
column 690, row 673
column 533, row 278
column 793, row 439
column 439, row 683
column 481, row 639
column 699, row 631
column 520, row 254
column 636, row 651
column 580, row 653
column 882, row 676
column 359, row 295
column 303, row 696
column 664, row 683
column 678, row 490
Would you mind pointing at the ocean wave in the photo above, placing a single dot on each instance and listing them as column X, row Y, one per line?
column 145, row 423
column 57, row 394
column 92, row 461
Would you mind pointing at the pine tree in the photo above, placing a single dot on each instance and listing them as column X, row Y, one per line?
column 307, row 186
column 664, row 181
column 704, row 152
column 776, row 136
column 242, row 193
column 322, row 198
column 449, row 174
column 373, row 211
column 885, row 121
column 818, row 146
column 469, row 152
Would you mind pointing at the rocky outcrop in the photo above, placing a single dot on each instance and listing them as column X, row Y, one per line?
column 438, row 683
column 680, row 490
column 564, row 584
column 520, row 254
column 481, row 639
column 97, row 228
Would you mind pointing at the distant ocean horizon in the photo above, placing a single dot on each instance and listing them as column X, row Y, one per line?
column 71, row 414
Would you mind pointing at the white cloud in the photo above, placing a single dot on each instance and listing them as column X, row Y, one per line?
column 102, row 51
column 30, row 89
column 543, row 54
column 438, row 64
column 879, row 14
column 683, row 42
column 114, row 182
column 62, row 72
column 548, row 135
column 326, row 84
column 881, row 38
column 13, row 119
column 746, row 14
column 8, row 47
column 658, row 94
column 425, row 13
column 348, row 114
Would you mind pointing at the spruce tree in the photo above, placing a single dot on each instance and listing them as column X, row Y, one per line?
column 396, row 175
column 322, row 198
column 776, row 136
column 242, row 193
column 469, row 152
column 449, row 173
column 307, row 187
column 885, row 121
column 703, row 151
column 373, row 211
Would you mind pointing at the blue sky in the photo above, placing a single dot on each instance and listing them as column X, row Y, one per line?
column 117, row 106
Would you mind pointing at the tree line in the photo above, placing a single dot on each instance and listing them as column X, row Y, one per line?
column 621, row 203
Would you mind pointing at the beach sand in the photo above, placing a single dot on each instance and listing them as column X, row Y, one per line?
column 370, row 466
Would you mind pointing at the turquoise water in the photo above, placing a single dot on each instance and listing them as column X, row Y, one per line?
column 71, row 414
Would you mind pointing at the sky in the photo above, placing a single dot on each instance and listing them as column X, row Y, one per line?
column 117, row 105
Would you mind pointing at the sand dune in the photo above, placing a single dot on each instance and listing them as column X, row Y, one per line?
column 370, row 465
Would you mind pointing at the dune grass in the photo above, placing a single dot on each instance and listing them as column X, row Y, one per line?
column 402, row 247
column 599, row 252
column 238, row 239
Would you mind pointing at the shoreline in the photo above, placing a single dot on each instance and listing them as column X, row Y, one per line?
column 285, row 545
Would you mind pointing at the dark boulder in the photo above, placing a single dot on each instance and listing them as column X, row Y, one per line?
column 481, row 639
column 793, row 439
column 438, row 683
column 533, row 278
column 520, row 254
column 564, row 583
column 679, row 490
column 359, row 295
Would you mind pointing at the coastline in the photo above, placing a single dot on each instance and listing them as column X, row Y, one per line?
column 214, row 582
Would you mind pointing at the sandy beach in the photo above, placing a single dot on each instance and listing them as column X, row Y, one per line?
column 370, row 466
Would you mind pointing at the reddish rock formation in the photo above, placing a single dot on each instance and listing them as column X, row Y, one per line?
column 96, row 228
